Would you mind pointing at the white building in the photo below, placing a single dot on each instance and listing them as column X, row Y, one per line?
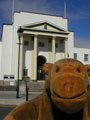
column 32, row 40
column 82, row 54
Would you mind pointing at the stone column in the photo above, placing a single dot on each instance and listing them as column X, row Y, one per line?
column 50, row 50
column 35, row 57
column 66, row 48
column 32, row 59
column 53, row 49
column 21, row 57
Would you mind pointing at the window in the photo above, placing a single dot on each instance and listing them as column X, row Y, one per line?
column 26, row 43
column 5, row 77
column 50, row 40
column 41, row 44
column 45, row 27
column 86, row 57
column 9, row 77
column 75, row 56
column 62, row 41
column 56, row 45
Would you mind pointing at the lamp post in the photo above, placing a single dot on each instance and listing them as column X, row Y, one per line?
column 27, row 93
column 20, row 31
column 26, row 80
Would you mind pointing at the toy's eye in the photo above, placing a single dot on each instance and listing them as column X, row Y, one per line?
column 78, row 69
column 57, row 69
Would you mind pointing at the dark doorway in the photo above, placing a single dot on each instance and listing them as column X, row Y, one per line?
column 40, row 61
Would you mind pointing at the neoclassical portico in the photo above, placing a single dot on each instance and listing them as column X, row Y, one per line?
column 53, row 35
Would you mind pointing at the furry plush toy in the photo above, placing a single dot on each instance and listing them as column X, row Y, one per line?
column 88, row 69
column 65, row 96
column 46, row 67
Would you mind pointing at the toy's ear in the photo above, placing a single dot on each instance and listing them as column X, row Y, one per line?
column 47, row 67
column 88, row 69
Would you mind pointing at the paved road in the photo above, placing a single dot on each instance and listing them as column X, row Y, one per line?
column 4, row 110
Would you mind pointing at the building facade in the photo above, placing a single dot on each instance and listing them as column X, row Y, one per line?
column 32, row 40
column 82, row 54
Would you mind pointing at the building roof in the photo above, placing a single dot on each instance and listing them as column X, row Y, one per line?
column 30, row 27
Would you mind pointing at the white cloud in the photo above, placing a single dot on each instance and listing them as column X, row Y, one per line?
column 82, row 42
column 74, row 12
column 41, row 6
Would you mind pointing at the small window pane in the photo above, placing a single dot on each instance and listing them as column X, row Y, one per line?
column 45, row 27
column 56, row 45
column 62, row 41
column 50, row 40
column 41, row 44
column 75, row 56
column 12, row 77
column 5, row 77
column 26, row 43
column 86, row 57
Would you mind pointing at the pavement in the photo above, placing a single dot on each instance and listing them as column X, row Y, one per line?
column 8, row 101
column 9, row 97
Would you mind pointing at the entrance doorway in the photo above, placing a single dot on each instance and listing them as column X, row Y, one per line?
column 40, row 61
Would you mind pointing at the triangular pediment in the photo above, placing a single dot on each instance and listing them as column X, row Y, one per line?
column 44, row 26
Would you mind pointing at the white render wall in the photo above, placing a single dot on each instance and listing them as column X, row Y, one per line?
column 80, row 54
column 58, row 50
column 43, row 50
column 24, row 18
column 27, row 55
column 6, row 51
column 70, row 44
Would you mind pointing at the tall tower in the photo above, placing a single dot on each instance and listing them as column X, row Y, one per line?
column 12, row 10
column 65, row 10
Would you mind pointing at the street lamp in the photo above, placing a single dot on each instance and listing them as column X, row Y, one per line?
column 27, row 80
column 20, row 31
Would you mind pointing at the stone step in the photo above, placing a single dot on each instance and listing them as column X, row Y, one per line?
column 33, row 86
column 7, row 88
column 36, row 86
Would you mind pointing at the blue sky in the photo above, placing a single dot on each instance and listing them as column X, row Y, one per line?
column 78, row 14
